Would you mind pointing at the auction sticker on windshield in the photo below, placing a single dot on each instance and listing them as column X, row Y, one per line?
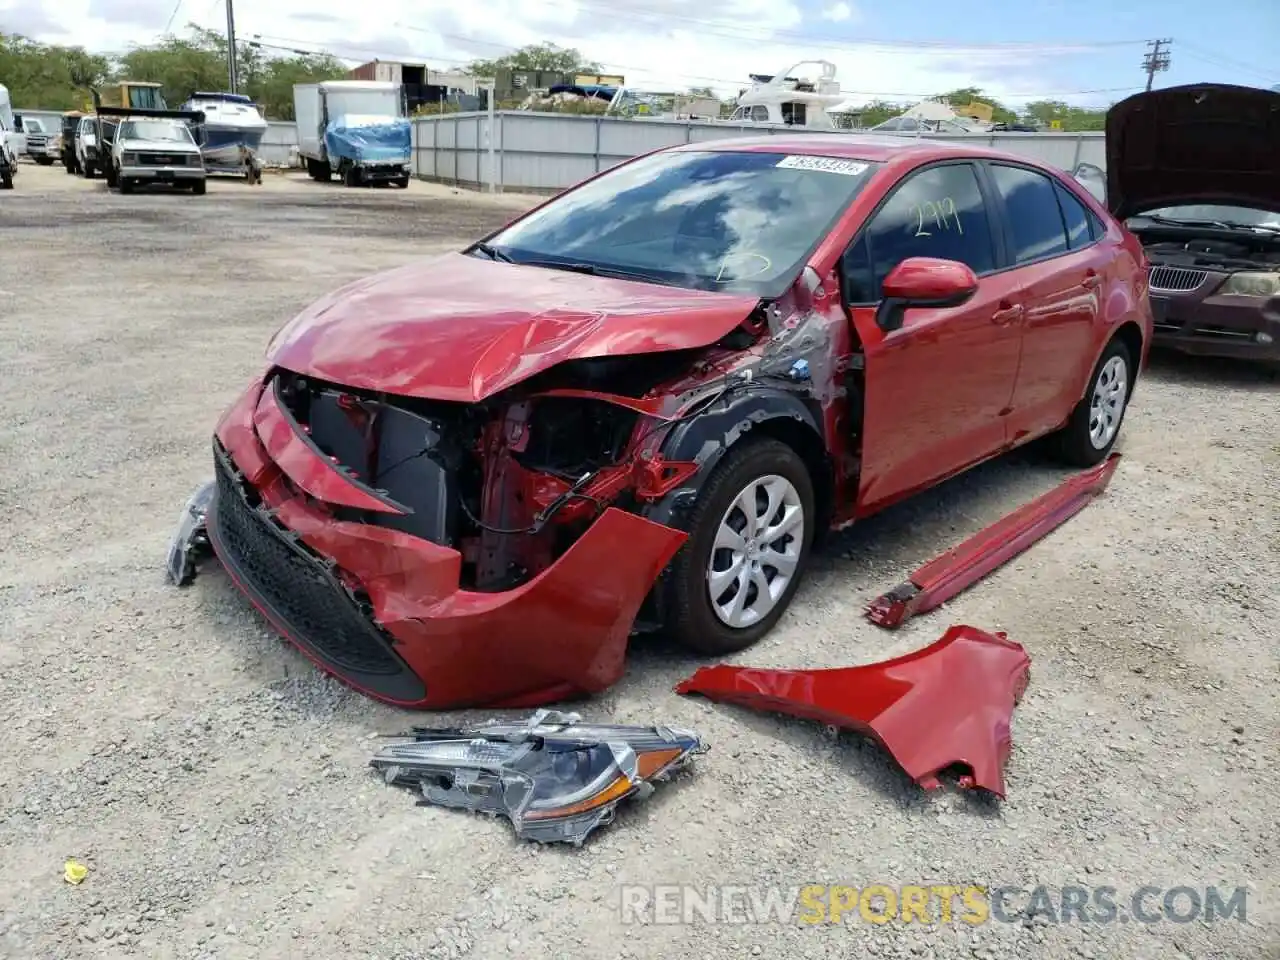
column 849, row 168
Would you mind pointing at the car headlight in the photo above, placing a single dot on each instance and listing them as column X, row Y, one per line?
column 129, row 158
column 1251, row 284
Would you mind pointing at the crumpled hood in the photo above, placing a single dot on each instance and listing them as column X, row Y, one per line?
column 463, row 328
column 1201, row 143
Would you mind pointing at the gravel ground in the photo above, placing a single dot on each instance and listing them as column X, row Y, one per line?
column 215, row 784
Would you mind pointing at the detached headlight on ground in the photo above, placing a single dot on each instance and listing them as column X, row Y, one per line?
column 554, row 778
column 1257, row 284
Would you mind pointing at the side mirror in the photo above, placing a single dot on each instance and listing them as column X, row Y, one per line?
column 923, row 282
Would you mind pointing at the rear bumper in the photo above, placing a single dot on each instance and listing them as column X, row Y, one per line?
column 1247, row 329
column 384, row 611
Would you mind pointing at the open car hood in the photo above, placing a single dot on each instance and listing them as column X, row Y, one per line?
column 463, row 328
column 1202, row 143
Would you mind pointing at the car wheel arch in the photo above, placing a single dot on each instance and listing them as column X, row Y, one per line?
column 762, row 412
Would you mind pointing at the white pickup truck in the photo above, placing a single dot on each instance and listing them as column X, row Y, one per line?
column 151, row 149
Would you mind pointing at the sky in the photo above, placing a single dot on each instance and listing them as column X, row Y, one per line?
column 1085, row 52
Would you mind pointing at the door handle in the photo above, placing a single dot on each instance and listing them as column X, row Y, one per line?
column 1007, row 313
column 1091, row 281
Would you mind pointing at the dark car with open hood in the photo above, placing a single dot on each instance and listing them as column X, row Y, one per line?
column 469, row 480
column 1195, row 173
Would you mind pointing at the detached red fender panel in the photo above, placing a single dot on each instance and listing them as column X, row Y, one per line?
column 965, row 564
column 946, row 705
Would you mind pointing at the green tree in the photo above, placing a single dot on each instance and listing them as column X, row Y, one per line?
column 41, row 76
column 1072, row 119
column 878, row 111
column 537, row 56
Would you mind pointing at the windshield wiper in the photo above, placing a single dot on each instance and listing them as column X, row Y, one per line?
column 595, row 270
column 493, row 253
column 1236, row 225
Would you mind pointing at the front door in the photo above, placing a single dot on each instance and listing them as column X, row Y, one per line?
column 937, row 390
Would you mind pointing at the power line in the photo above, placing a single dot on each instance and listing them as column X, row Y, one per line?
column 1155, row 59
column 169, row 23
column 891, row 45
column 1208, row 56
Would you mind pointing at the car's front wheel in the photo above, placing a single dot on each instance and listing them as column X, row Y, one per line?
column 1095, row 423
column 749, row 537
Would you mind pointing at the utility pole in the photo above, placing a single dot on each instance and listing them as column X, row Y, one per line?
column 231, row 48
column 1155, row 59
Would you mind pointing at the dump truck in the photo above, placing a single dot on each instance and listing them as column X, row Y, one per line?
column 358, row 129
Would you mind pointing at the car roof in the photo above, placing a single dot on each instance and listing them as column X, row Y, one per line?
column 855, row 146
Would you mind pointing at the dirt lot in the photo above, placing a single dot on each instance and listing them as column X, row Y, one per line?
column 215, row 784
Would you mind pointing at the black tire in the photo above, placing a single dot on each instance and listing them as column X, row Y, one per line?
column 89, row 171
column 402, row 182
column 45, row 161
column 112, row 177
column 126, row 185
column 1073, row 444
column 199, row 188
column 690, row 618
column 351, row 176
column 6, row 179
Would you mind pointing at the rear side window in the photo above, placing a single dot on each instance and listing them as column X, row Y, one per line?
column 1076, row 217
column 937, row 212
column 1035, row 220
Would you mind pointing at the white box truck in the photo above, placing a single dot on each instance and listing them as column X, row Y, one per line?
column 357, row 129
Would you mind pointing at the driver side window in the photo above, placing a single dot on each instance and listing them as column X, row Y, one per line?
column 936, row 212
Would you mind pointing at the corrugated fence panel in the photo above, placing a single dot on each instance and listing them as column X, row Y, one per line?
column 279, row 144
column 542, row 152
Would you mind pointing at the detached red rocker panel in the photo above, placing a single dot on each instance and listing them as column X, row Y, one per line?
column 966, row 563
column 419, row 640
column 946, row 705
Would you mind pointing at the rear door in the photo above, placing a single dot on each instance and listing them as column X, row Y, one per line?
column 1060, row 269
column 936, row 389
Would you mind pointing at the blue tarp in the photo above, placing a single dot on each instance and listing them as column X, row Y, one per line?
column 367, row 138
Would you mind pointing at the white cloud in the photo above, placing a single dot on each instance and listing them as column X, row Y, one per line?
column 838, row 12
column 658, row 44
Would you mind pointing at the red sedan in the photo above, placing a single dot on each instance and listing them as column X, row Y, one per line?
column 468, row 481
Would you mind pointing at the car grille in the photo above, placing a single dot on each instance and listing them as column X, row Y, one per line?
column 297, row 590
column 167, row 159
column 37, row 141
column 1175, row 279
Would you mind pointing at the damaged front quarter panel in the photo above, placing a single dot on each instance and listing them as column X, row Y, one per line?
column 555, row 778
column 948, row 705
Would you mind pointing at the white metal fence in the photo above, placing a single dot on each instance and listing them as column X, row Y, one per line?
column 541, row 152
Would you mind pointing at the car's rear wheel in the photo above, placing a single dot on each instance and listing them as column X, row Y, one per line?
column 749, row 537
column 1091, row 432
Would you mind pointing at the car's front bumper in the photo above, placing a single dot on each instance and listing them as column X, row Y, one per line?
column 167, row 174
column 384, row 610
column 379, row 170
column 1245, row 328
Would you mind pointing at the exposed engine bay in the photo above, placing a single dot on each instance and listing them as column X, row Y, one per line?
column 1209, row 249
column 510, row 483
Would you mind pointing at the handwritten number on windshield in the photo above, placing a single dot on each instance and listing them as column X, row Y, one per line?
column 941, row 215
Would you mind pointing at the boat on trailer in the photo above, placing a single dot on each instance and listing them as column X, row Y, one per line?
column 233, row 125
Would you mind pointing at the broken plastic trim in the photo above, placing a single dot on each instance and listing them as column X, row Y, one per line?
column 946, row 706
column 555, row 778
column 965, row 564
column 190, row 541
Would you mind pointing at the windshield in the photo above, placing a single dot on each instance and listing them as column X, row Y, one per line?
column 381, row 103
column 741, row 222
column 1215, row 213
column 33, row 126
column 170, row 130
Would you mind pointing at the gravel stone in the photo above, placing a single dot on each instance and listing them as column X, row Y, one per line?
column 216, row 785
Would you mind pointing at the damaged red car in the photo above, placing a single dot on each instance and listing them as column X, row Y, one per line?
column 468, row 481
